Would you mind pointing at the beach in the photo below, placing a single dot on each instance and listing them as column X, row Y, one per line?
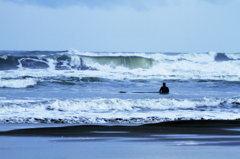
column 119, row 79
column 70, row 104
column 182, row 139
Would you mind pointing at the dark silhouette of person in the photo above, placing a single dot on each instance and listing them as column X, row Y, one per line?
column 164, row 89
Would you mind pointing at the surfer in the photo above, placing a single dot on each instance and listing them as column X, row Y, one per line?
column 164, row 89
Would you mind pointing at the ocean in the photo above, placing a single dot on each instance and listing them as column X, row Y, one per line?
column 71, row 86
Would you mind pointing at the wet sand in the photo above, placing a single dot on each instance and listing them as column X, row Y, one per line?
column 179, row 139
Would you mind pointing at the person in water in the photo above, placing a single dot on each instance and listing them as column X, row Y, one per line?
column 164, row 89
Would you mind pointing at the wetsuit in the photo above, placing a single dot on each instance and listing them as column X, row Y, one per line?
column 164, row 89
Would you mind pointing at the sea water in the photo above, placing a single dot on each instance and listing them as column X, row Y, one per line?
column 84, row 87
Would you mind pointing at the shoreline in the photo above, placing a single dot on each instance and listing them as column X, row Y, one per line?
column 197, row 127
column 173, row 140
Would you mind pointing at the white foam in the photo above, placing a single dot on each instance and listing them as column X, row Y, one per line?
column 195, row 57
column 22, row 59
column 4, row 57
column 235, row 56
column 75, row 61
column 193, row 66
column 130, row 110
column 165, row 66
column 17, row 83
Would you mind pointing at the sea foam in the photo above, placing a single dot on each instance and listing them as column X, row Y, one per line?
column 120, row 110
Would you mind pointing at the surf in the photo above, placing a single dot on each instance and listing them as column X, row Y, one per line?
column 119, row 65
column 97, row 110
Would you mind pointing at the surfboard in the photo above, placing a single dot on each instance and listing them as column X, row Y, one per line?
column 145, row 92
column 137, row 92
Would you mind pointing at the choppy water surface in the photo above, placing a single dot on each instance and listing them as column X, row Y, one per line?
column 83, row 87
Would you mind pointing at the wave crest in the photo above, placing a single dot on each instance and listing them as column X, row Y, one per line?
column 118, row 110
column 212, row 65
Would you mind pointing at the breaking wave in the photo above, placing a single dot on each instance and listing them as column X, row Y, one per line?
column 29, row 68
column 65, row 60
column 117, row 110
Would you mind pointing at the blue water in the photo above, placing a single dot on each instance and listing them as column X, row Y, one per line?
column 84, row 87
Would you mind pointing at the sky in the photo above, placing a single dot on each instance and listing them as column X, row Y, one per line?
column 121, row 25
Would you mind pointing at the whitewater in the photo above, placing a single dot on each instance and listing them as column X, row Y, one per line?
column 71, row 86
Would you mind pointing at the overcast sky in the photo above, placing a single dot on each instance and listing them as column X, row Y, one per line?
column 121, row 25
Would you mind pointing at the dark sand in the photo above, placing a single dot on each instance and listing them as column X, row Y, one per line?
column 178, row 139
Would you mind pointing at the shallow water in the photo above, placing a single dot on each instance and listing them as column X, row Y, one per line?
column 71, row 148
